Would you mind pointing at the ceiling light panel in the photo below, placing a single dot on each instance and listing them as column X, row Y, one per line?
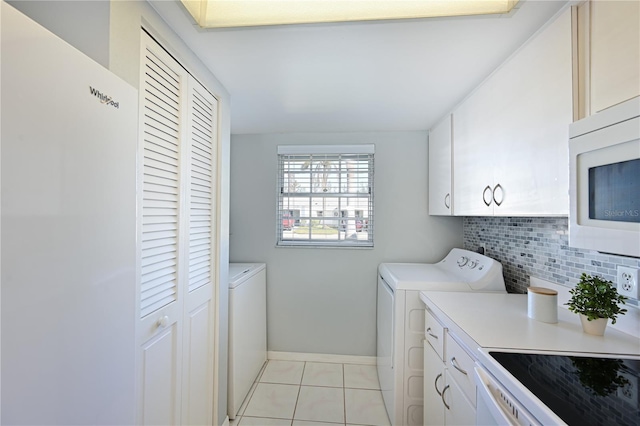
column 244, row 13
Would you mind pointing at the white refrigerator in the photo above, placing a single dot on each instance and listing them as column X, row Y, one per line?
column 68, row 229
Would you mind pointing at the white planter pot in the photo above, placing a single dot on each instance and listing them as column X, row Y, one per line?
column 595, row 327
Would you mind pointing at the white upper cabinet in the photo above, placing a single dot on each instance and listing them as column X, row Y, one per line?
column 510, row 137
column 609, row 53
column 440, row 197
column 473, row 152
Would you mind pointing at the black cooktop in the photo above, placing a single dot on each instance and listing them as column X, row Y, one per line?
column 581, row 390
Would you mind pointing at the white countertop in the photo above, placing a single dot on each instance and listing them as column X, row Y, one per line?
column 491, row 320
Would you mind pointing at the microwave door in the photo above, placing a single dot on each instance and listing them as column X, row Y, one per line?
column 605, row 189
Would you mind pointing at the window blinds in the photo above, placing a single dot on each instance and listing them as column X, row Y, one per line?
column 325, row 195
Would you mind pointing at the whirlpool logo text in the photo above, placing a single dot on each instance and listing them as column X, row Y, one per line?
column 105, row 99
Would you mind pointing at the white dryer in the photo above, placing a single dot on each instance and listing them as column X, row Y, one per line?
column 400, row 321
column 247, row 330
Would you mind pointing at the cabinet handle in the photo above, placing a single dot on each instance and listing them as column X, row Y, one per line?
column 431, row 334
column 484, row 196
column 455, row 365
column 435, row 384
column 447, row 199
column 442, row 396
column 498, row 203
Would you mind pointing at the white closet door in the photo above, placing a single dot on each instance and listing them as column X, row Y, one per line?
column 162, row 103
column 197, row 401
column 177, row 269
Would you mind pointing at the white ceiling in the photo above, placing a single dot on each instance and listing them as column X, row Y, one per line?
column 367, row 76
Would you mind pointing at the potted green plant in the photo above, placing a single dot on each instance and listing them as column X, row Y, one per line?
column 596, row 300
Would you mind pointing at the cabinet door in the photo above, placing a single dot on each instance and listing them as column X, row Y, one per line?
column 536, row 101
column 510, row 136
column 460, row 410
column 473, row 149
column 433, row 385
column 614, row 52
column 440, row 196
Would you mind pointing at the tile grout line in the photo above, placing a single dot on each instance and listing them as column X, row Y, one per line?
column 300, row 384
column 344, row 394
column 295, row 407
column 253, row 388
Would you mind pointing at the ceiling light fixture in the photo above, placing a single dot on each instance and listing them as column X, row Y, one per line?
column 246, row 13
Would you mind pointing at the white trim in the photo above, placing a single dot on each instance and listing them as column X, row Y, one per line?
column 330, row 358
column 226, row 421
column 628, row 323
column 333, row 244
column 624, row 111
column 326, row 149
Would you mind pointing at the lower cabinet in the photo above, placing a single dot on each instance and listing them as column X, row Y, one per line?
column 434, row 370
column 449, row 390
column 458, row 409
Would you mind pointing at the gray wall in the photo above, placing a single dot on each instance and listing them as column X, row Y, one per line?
column 108, row 31
column 83, row 24
column 323, row 300
column 538, row 247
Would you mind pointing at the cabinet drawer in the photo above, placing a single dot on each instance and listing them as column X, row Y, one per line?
column 434, row 333
column 460, row 365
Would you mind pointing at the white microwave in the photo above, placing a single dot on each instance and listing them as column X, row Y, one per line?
column 604, row 181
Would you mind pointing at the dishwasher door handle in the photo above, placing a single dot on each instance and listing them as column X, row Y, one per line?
column 496, row 398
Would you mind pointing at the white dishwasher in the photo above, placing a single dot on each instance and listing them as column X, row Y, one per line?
column 247, row 329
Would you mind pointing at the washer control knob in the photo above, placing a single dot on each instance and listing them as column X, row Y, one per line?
column 472, row 264
column 463, row 261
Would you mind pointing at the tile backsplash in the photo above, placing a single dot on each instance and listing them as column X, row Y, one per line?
column 538, row 247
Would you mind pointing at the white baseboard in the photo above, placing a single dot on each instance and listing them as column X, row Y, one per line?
column 336, row 359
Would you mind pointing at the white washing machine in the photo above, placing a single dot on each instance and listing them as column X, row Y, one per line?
column 247, row 330
column 400, row 321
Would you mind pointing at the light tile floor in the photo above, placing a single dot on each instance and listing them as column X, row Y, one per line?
column 296, row 393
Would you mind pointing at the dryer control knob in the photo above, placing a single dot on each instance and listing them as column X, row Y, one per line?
column 463, row 261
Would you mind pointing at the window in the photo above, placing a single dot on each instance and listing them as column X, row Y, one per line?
column 325, row 195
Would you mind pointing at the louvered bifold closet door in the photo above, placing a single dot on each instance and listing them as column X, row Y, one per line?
column 201, row 208
column 202, row 135
column 161, row 192
column 161, row 185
